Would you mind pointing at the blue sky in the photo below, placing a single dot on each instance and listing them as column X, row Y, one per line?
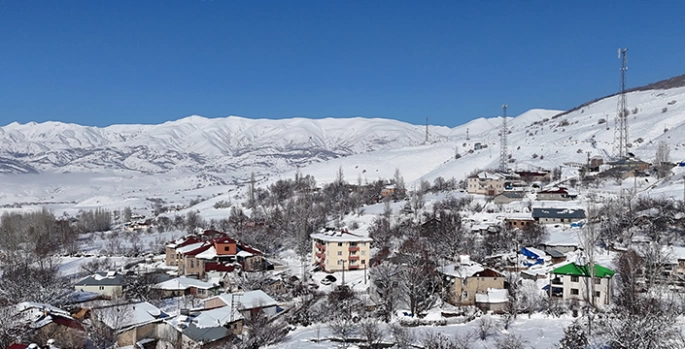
column 106, row 62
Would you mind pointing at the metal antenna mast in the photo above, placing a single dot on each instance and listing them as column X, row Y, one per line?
column 621, row 121
column 503, row 146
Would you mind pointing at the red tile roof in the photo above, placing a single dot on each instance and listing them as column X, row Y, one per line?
column 213, row 266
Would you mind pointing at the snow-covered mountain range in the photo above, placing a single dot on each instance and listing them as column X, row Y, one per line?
column 222, row 145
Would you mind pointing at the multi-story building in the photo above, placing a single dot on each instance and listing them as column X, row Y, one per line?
column 486, row 183
column 211, row 251
column 340, row 250
column 574, row 281
column 469, row 279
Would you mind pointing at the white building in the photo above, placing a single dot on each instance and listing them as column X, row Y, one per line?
column 573, row 281
column 486, row 183
column 108, row 284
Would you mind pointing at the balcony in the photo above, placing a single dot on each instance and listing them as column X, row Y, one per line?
column 320, row 246
column 354, row 257
column 557, row 282
column 321, row 255
column 353, row 248
column 353, row 267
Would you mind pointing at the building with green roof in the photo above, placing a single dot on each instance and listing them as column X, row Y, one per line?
column 574, row 281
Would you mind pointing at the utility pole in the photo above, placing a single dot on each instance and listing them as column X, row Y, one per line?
column 467, row 134
column 503, row 140
column 621, row 120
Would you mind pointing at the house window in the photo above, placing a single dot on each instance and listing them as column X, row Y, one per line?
column 574, row 291
column 574, row 279
column 225, row 248
column 102, row 288
column 597, row 294
column 363, row 261
column 339, row 244
column 340, row 262
column 192, row 263
column 363, row 253
column 339, row 253
column 598, row 281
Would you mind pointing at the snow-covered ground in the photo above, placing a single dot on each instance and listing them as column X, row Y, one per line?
column 539, row 331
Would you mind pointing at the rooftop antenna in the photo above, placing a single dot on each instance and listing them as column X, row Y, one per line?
column 621, row 121
column 503, row 146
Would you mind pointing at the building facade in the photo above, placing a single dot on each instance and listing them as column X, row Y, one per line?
column 341, row 250
column 486, row 183
column 574, row 282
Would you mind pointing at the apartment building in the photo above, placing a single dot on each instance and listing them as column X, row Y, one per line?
column 486, row 183
column 338, row 250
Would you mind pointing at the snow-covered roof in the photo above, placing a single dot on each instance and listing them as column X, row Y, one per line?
column 184, row 283
column 125, row 316
column 188, row 248
column 340, row 236
column 461, row 270
column 244, row 253
column 537, row 252
column 489, row 175
column 102, row 279
column 217, row 317
column 248, row 300
column 210, row 253
column 494, row 295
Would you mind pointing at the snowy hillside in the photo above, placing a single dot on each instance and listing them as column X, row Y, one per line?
column 196, row 143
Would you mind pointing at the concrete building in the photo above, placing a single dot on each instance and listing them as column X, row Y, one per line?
column 557, row 194
column 558, row 215
column 108, row 284
column 486, row 183
column 573, row 281
column 508, row 197
column 469, row 279
column 338, row 250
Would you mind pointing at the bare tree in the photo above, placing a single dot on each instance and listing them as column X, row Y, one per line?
column 404, row 339
column 485, row 327
column 510, row 341
column 372, row 332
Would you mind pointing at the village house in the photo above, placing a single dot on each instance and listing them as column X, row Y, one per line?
column 486, row 183
column 534, row 176
column 53, row 323
column 200, row 328
column 212, row 252
column 388, row 190
column 468, row 279
column 131, row 323
column 340, row 250
column 519, row 221
column 110, row 284
column 594, row 163
column 574, row 282
column 508, row 197
column 557, row 194
column 248, row 303
column 186, row 286
column 558, row 215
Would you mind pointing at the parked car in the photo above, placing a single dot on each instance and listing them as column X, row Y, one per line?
column 328, row 279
